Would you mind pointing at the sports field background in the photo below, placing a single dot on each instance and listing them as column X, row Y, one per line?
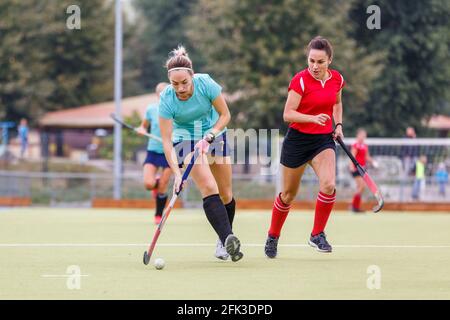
column 37, row 245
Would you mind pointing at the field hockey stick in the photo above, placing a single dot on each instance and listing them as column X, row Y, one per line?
column 166, row 213
column 367, row 179
column 149, row 135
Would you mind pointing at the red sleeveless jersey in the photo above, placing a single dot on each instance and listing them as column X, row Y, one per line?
column 317, row 97
column 361, row 152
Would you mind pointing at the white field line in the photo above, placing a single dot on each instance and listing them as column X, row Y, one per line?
column 63, row 275
column 100, row 245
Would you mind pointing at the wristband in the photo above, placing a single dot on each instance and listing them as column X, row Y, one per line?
column 339, row 124
column 210, row 137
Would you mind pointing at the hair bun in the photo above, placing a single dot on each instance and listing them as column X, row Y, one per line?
column 180, row 51
column 178, row 58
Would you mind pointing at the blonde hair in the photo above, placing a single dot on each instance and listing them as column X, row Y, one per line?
column 179, row 60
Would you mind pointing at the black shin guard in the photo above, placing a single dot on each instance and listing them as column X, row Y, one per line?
column 231, row 209
column 217, row 216
column 161, row 200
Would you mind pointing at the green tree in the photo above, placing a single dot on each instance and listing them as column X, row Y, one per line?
column 44, row 65
column 415, row 37
column 132, row 64
column 255, row 47
column 161, row 27
column 131, row 142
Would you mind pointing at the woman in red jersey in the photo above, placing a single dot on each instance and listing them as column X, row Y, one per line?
column 314, row 98
column 360, row 151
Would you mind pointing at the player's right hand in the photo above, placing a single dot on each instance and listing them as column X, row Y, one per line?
column 320, row 119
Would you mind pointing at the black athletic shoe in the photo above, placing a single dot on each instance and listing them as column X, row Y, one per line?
column 233, row 245
column 271, row 247
column 320, row 242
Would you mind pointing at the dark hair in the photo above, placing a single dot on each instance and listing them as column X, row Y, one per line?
column 178, row 58
column 320, row 43
column 361, row 130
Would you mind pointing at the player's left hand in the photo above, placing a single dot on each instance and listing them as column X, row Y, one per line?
column 338, row 133
column 140, row 131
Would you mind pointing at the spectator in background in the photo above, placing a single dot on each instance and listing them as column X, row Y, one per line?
column 409, row 152
column 23, row 136
column 419, row 182
column 411, row 133
column 441, row 178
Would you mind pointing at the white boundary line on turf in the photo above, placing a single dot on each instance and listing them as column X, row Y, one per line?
column 99, row 245
column 63, row 275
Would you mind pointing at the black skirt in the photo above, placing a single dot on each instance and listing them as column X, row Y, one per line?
column 355, row 174
column 299, row 148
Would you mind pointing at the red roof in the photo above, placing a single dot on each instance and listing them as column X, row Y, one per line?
column 439, row 122
column 96, row 115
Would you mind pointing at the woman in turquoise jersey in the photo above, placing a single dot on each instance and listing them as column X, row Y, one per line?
column 155, row 158
column 193, row 114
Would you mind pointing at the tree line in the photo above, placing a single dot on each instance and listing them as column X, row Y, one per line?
column 397, row 75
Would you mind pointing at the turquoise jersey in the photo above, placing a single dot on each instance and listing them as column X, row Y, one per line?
column 151, row 115
column 192, row 118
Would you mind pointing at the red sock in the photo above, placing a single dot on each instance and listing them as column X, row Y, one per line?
column 279, row 214
column 324, row 204
column 356, row 203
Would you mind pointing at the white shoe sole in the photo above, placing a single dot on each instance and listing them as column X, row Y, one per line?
column 312, row 244
column 221, row 253
column 222, row 257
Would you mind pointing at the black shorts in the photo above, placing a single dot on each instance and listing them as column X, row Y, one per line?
column 300, row 148
column 355, row 174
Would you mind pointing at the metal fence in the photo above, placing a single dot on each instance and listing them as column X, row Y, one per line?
column 64, row 189
column 394, row 177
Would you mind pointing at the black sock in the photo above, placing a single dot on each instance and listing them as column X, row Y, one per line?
column 217, row 216
column 231, row 208
column 161, row 200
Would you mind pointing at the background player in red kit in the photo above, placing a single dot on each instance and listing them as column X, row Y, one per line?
column 361, row 152
column 314, row 98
